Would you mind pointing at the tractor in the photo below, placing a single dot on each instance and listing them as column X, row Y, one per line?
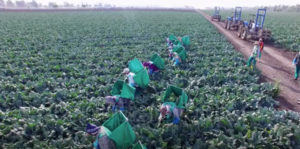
column 234, row 21
column 216, row 15
column 254, row 29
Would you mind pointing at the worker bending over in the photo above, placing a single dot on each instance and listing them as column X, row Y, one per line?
column 129, row 76
column 169, row 110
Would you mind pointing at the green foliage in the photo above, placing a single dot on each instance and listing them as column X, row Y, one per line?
column 56, row 68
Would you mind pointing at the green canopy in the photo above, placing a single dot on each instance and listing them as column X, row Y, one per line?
column 185, row 41
column 123, row 90
column 116, row 90
column 173, row 39
column 182, row 96
column 178, row 48
column 121, row 131
column 135, row 65
column 182, row 55
column 158, row 61
column 141, row 78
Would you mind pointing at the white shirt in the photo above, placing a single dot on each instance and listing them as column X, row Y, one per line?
column 130, row 78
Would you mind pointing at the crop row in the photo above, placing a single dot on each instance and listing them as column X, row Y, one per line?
column 56, row 69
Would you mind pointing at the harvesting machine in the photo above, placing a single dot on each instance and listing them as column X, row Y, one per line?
column 216, row 15
column 254, row 29
column 234, row 21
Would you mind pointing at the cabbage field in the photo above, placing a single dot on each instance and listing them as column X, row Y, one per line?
column 57, row 67
column 285, row 26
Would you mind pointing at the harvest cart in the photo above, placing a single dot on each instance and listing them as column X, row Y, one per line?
column 158, row 61
column 179, row 93
column 119, row 131
column 141, row 77
column 123, row 90
column 185, row 40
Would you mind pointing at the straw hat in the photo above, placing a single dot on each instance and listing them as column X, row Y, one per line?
column 125, row 71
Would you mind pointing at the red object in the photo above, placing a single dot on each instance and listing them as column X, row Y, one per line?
column 261, row 46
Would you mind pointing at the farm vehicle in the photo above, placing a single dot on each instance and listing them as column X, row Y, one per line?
column 254, row 29
column 216, row 15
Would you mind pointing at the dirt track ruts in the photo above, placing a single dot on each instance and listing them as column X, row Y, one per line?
column 276, row 65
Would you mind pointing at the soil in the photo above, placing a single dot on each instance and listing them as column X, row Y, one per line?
column 275, row 66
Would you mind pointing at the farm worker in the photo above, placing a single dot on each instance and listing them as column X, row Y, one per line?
column 129, row 76
column 261, row 47
column 117, row 102
column 180, row 39
column 168, row 42
column 171, row 54
column 169, row 110
column 170, row 48
column 176, row 59
column 252, row 59
column 296, row 62
column 151, row 67
column 102, row 141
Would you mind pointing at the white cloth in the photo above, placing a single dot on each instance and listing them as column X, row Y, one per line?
column 130, row 78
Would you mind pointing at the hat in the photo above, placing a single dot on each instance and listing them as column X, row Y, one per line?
column 126, row 70
column 92, row 129
column 256, row 42
column 260, row 39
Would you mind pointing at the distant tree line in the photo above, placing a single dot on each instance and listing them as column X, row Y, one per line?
column 276, row 8
column 34, row 4
column 280, row 8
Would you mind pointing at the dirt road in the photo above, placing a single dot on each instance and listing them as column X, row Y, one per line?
column 276, row 65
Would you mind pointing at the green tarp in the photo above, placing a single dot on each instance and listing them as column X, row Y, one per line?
column 178, row 48
column 127, row 91
column 123, row 90
column 135, row 65
column 121, row 131
column 141, row 78
column 123, row 136
column 173, row 39
column 185, row 41
column 116, row 90
column 158, row 61
column 182, row 96
column 182, row 55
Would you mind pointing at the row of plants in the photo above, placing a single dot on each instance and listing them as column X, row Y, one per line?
column 56, row 69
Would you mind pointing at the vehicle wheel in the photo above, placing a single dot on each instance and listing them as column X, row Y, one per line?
column 239, row 33
column 228, row 25
column 244, row 35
